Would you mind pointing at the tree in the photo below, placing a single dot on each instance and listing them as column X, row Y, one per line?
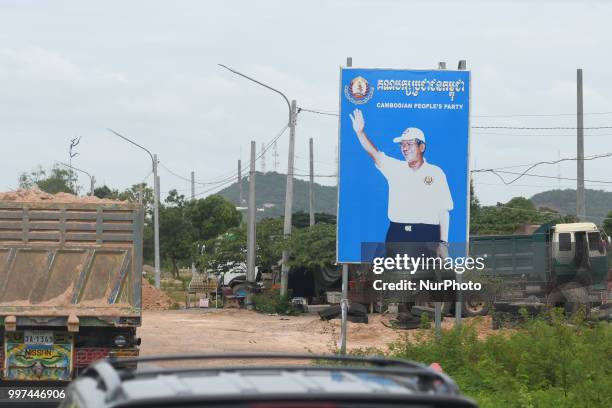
column 177, row 231
column 607, row 224
column 212, row 216
column 106, row 192
column 229, row 249
column 224, row 252
column 301, row 219
column 57, row 180
column 313, row 247
column 270, row 238
column 507, row 218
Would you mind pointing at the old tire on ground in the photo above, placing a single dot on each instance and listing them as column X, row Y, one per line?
column 475, row 305
column 241, row 289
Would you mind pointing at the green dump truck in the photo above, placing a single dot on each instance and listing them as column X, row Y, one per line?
column 560, row 265
column 70, row 285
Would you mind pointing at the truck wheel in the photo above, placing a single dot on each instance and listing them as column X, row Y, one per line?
column 446, row 306
column 576, row 296
column 475, row 305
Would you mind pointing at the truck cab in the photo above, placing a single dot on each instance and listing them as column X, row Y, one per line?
column 579, row 252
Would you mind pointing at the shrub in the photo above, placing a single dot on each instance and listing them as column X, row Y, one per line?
column 548, row 362
column 271, row 302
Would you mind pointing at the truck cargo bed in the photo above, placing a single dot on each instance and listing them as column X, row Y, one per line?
column 62, row 259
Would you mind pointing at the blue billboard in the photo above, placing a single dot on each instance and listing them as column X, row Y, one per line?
column 403, row 159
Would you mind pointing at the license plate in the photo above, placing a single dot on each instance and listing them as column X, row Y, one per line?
column 34, row 355
column 38, row 337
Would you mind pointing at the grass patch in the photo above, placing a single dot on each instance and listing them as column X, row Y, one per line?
column 548, row 362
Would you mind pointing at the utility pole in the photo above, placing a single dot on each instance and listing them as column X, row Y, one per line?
column 288, row 199
column 192, row 185
column 251, row 219
column 311, row 186
column 239, row 183
column 289, row 192
column 580, row 198
column 275, row 157
column 156, row 222
column 193, row 268
column 263, row 158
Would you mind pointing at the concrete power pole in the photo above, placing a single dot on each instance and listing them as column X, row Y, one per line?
column 156, row 222
column 239, row 183
column 288, row 199
column 251, row 219
column 193, row 268
column 263, row 158
column 580, row 194
column 311, row 186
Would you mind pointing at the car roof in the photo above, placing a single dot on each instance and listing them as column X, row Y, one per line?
column 104, row 386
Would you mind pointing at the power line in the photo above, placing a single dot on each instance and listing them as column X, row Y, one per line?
column 222, row 180
column 524, row 173
column 536, row 135
column 542, row 128
column 229, row 180
column 539, row 115
column 328, row 113
column 538, row 176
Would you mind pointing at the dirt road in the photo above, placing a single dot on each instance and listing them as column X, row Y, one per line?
column 232, row 330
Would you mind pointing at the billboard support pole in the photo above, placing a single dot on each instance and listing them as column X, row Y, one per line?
column 461, row 66
column 344, row 302
column 344, row 309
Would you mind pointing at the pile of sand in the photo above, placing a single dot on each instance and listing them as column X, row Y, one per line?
column 34, row 194
column 153, row 298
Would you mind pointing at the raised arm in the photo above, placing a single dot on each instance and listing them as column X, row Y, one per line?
column 358, row 127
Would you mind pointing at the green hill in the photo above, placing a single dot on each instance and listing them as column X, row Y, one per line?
column 270, row 195
column 598, row 202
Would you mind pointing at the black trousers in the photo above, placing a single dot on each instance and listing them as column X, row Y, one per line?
column 412, row 239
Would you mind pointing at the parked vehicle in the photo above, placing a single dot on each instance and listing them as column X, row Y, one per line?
column 70, row 286
column 332, row 381
column 560, row 265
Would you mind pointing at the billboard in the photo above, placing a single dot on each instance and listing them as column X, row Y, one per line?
column 403, row 159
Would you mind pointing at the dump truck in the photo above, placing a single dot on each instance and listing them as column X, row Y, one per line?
column 70, row 285
column 558, row 265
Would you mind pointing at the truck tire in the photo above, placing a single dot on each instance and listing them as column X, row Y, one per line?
column 474, row 305
column 446, row 306
column 576, row 296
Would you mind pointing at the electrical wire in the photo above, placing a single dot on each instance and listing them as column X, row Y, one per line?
column 524, row 173
column 222, row 180
column 542, row 128
column 540, row 115
column 537, row 135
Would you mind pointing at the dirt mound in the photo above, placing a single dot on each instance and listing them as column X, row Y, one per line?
column 35, row 195
column 153, row 298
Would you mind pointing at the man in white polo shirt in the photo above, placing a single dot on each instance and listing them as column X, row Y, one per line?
column 419, row 197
